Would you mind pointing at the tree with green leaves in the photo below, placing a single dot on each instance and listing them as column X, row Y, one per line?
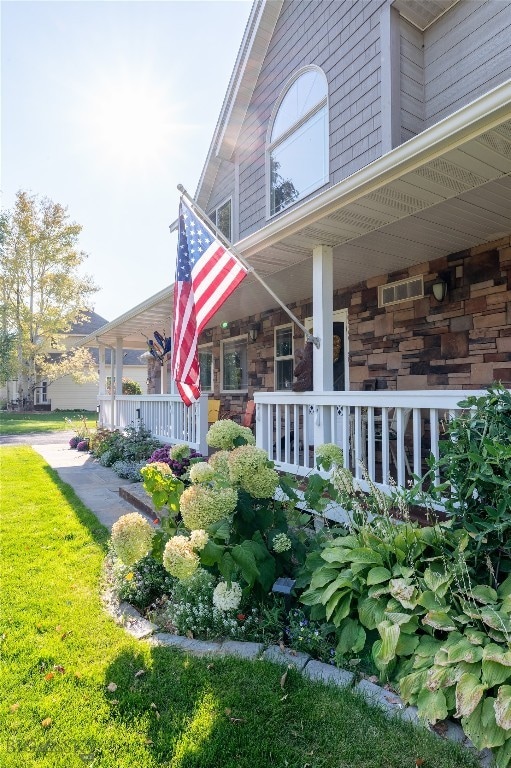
column 43, row 292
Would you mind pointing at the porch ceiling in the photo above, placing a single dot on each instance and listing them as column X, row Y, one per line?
column 443, row 191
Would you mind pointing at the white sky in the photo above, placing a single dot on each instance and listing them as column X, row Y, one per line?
column 106, row 107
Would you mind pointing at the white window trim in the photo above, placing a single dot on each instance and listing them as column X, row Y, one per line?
column 223, row 342
column 209, row 348
column 283, row 357
column 270, row 145
column 215, row 211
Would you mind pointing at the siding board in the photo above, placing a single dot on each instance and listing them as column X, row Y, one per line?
column 411, row 80
column 343, row 38
column 462, row 55
column 466, row 52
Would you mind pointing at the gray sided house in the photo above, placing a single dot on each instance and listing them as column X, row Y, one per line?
column 361, row 164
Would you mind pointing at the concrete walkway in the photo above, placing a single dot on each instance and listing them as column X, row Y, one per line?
column 96, row 486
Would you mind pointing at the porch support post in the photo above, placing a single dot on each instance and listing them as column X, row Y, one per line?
column 112, row 388
column 322, row 309
column 102, row 371
column 118, row 366
column 164, row 378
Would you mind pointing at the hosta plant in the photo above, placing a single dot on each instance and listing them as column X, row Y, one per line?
column 464, row 669
column 405, row 594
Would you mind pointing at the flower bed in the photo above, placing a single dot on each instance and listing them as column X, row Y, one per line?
column 428, row 609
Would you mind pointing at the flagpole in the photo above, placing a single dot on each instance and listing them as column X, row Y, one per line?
column 309, row 337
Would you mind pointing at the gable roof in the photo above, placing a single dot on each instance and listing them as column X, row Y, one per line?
column 253, row 49
column 89, row 323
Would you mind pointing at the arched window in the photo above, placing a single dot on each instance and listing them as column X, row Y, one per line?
column 298, row 141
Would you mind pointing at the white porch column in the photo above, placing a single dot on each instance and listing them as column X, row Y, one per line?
column 322, row 309
column 118, row 366
column 164, row 378
column 112, row 389
column 102, row 371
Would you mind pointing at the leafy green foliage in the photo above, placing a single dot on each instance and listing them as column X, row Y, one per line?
column 475, row 465
column 7, row 358
column 132, row 444
column 43, row 290
column 405, row 594
column 130, row 387
column 240, row 545
column 188, row 609
column 312, row 637
column 143, row 583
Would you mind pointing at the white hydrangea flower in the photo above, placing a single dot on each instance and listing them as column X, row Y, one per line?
column 281, row 543
column 180, row 451
column 132, row 538
column 179, row 558
column 201, row 472
column 226, row 599
column 329, row 453
column 199, row 539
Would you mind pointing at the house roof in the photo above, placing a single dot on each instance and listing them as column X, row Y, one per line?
column 443, row 191
column 251, row 54
column 89, row 323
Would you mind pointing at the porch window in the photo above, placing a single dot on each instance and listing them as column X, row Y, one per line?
column 222, row 217
column 234, row 365
column 298, row 142
column 206, row 368
column 284, row 357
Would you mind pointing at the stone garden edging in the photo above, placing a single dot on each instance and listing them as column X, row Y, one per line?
column 142, row 629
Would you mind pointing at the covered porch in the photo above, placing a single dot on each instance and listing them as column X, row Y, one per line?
column 438, row 207
column 385, row 436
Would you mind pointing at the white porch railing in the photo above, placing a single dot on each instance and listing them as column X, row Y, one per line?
column 166, row 416
column 390, row 433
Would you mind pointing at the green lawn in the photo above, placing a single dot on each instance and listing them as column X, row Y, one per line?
column 61, row 653
column 13, row 423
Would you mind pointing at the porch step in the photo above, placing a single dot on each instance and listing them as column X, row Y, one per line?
column 135, row 495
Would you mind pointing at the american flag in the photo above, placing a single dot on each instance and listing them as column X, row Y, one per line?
column 206, row 275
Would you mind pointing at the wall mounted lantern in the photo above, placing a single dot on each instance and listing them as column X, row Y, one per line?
column 439, row 289
column 253, row 332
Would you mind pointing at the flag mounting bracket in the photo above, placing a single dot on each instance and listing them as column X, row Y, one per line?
column 308, row 336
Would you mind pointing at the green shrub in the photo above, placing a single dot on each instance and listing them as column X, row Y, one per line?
column 129, row 470
column 227, row 519
column 143, row 583
column 130, row 387
column 475, row 465
column 189, row 610
column 134, row 444
column 410, row 597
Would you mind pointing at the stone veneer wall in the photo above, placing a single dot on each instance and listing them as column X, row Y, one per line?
column 463, row 342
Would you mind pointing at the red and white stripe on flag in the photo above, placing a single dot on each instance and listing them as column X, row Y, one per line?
column 206, row 275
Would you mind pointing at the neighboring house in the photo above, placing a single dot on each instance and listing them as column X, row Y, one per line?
column 361, row 164
column 65, row 393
